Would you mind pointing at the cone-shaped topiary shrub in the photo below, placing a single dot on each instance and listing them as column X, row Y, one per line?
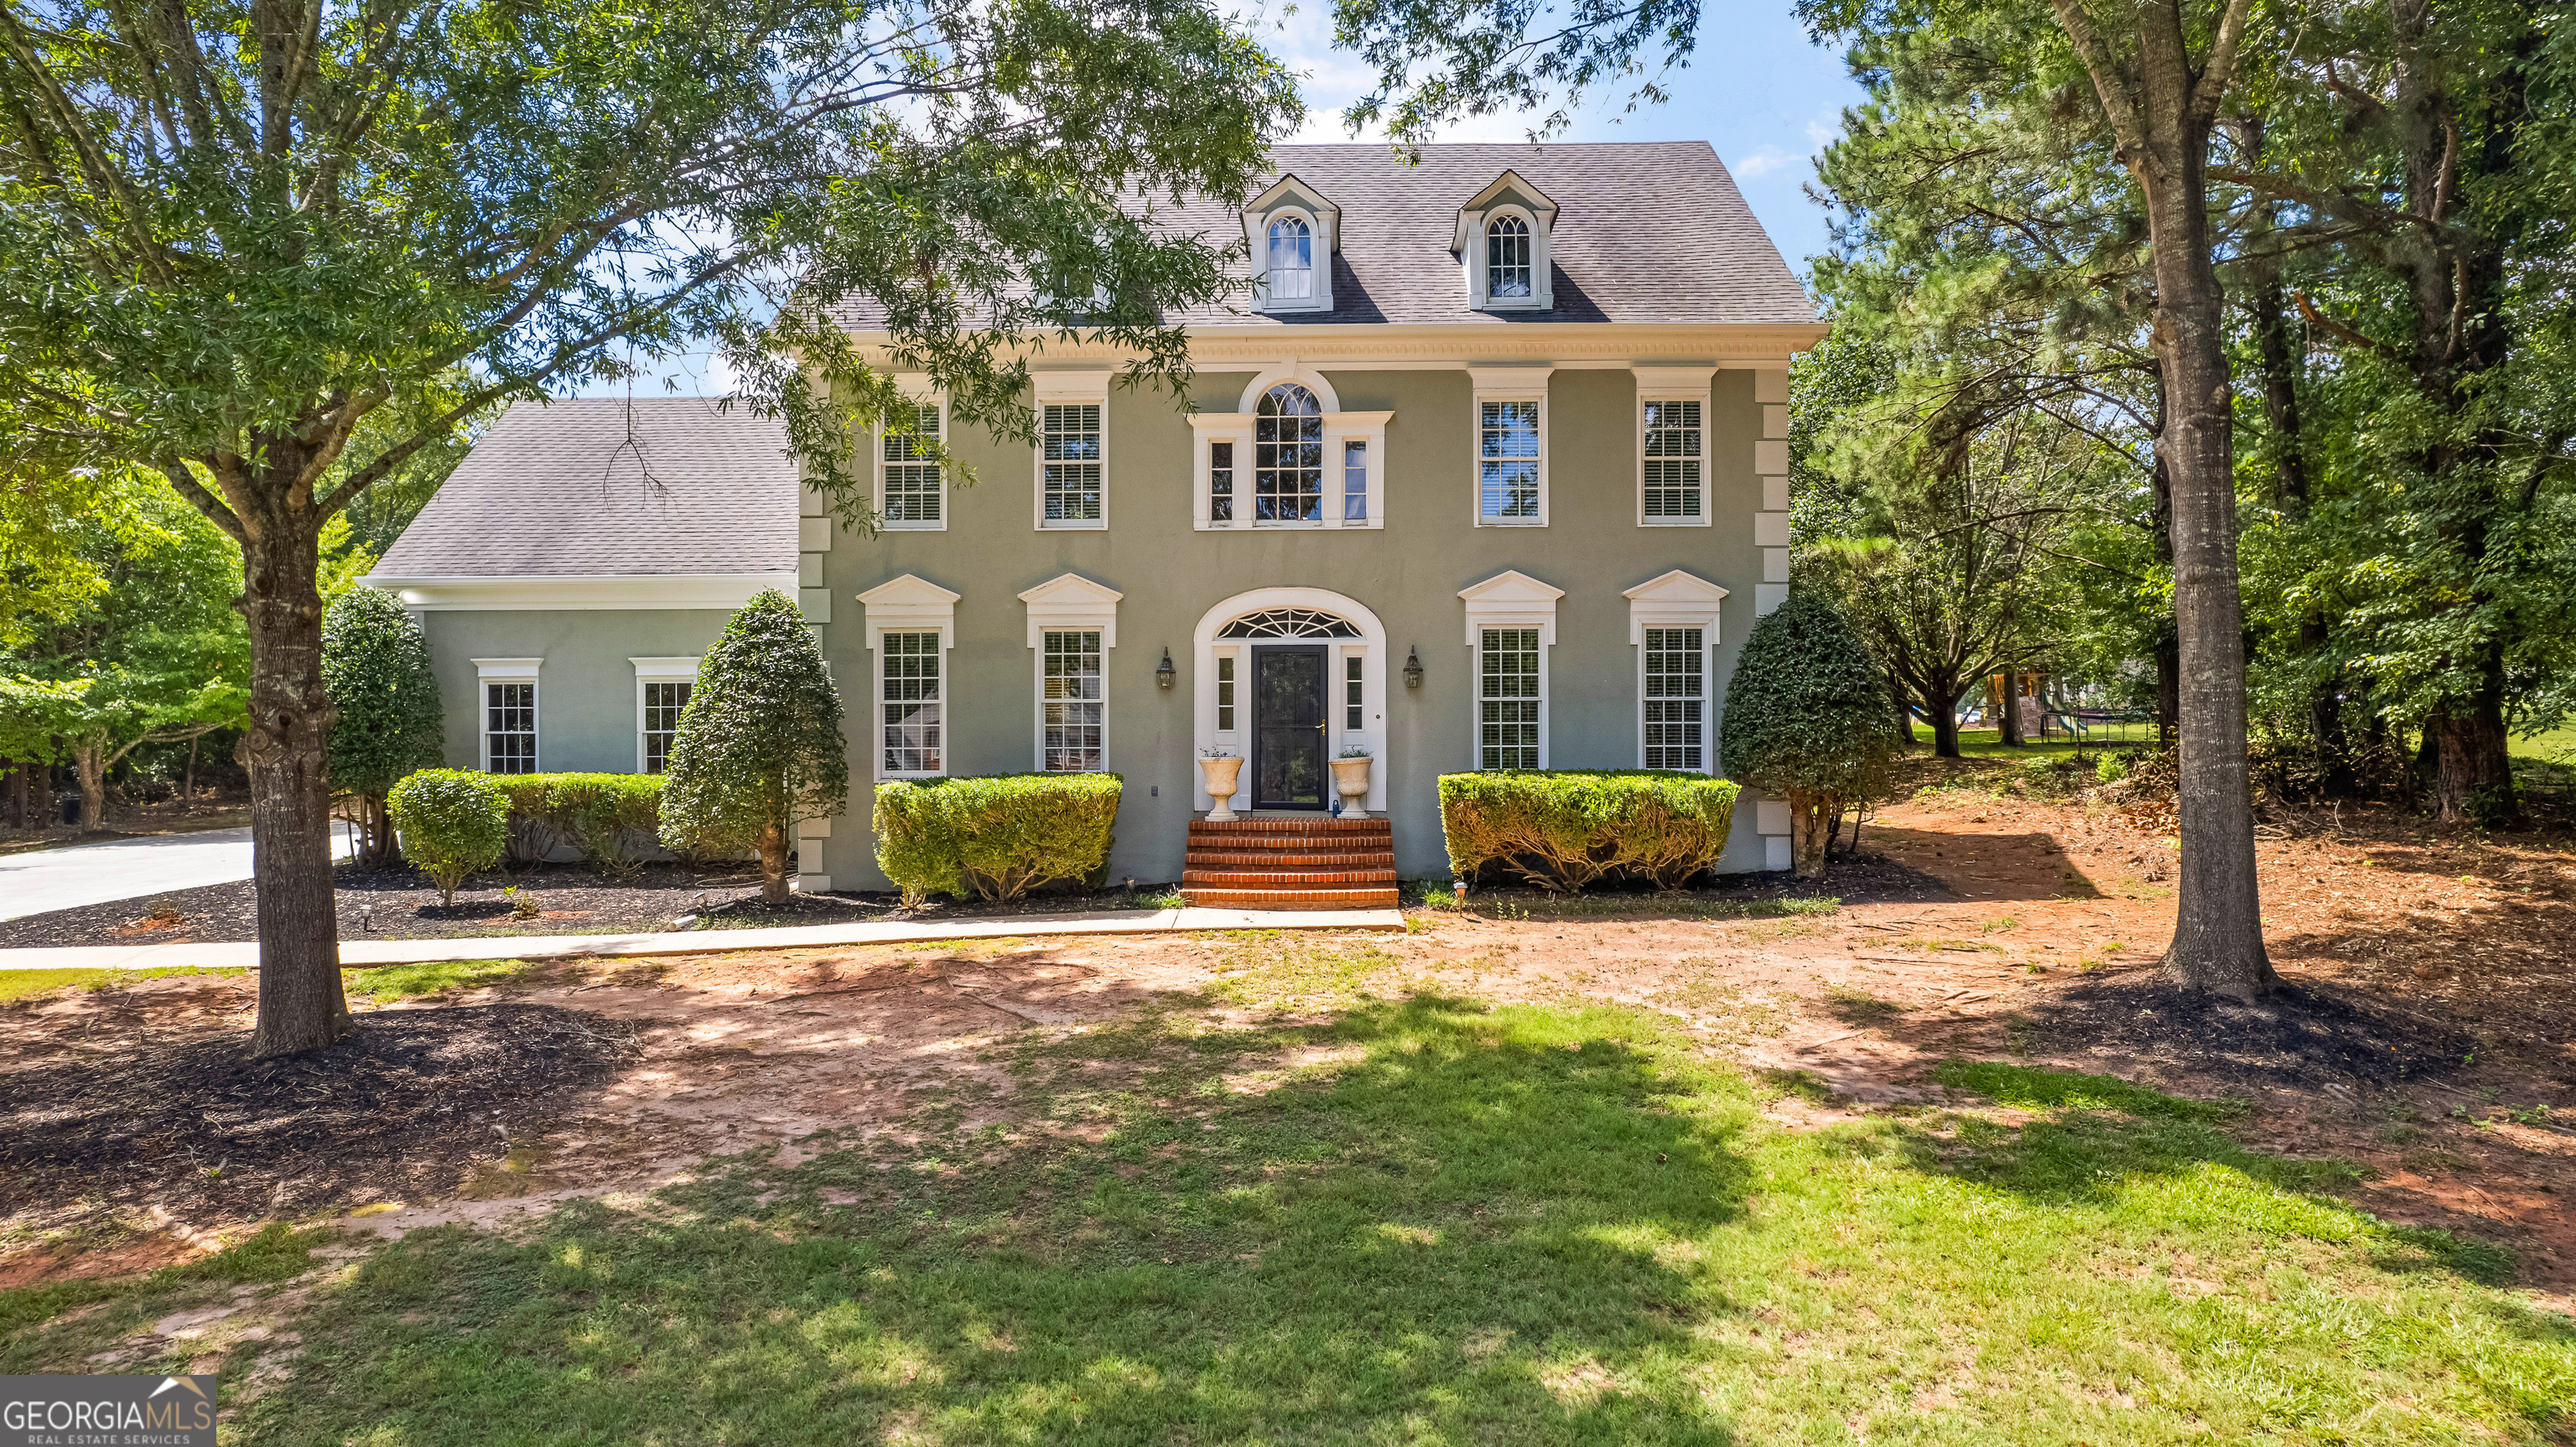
column 453, row 822
column 1562, row 829
column 995, row 836
column 375, row 667
column 1808, row 718
column 759, row 746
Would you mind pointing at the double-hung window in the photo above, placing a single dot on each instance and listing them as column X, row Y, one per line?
column 912, row 493
column 1510, row 461
column 1671, row 484
column 1676, row 701
column 1071, row 721
column 1507, row 258
column 510, row 726
column 911, row 731
column 663, row 701
column 1508, row 699
column 1070, row 462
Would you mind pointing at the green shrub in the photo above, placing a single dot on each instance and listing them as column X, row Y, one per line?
column 535, row 829
column 453, row 822
column 375, row 667
column 2112, row 769
column 996, row 836
column 1808, row 717
column 759, row 745
column 1563, row 829
column 611, row 818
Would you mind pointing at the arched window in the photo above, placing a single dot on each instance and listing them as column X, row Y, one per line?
column 1507, row 257
column 1288, row 456
column 1292, row 260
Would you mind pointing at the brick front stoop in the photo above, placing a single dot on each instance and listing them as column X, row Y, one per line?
column 1291, row 862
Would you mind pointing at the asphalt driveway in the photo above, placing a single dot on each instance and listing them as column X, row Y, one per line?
column 40, row 881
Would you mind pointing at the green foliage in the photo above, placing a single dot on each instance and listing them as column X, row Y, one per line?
column 610, row 818
column 994, row 836
column 2112, row 769
column 759, row 746
column 1806, row 709
column 2033, row 1088
column 375, row 665
column 388, row 983
column 1563, row 829
column 452, row 822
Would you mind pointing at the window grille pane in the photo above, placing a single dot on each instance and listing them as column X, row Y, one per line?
column 1672, row 479
column 1354, row 718
column 662, row 705
column 1355, row 482
column 1507, row 703
column 1220, row 482
column 1292, row 259
column 1225, row 694
column 1071, row 440
column 910, row 716
column 1507, row 258
column 1072, row 703
column 1507, row 458
column 1676, row 697
column 1288, row 457
column 510, row 727
column 911, row 480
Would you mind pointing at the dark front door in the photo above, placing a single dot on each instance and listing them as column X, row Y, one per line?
column 1288, row 728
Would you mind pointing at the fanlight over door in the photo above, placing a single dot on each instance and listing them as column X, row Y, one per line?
column 1288, row 623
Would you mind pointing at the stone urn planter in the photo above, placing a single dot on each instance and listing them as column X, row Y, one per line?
column 1351, row 781
column 1220, row 776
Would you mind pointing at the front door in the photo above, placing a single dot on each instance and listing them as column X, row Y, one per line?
column 1288, row 728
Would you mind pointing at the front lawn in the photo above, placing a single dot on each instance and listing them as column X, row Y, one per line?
column 1431, row 1221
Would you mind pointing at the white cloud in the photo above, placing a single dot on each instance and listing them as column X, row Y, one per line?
column 1763, row 162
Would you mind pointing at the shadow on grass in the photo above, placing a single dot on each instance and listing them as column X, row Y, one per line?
column 1451, row 1231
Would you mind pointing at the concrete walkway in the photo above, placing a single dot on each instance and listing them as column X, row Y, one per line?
column 40, row 881
column 362, row 954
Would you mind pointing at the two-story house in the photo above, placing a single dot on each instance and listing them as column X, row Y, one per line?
column 1491, row 472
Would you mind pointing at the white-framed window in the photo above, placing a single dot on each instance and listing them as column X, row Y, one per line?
column 1220, row 481
column 1069, row 481
column 912, row 489
column 1288, row 456
column 1355, row 480
column 1354, row 693
column 1672, row 451
column 1509, row 456
column 1072, row 703
column 1675, row 707
column 911, row 731
column 509, row 703
column 1289, row 275
column 1510, row 695
column 1508, row 257
column 662, row 688
column 1225, row 695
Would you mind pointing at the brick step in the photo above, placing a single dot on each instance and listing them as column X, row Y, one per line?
column 1337, row 858
column 1311, row 824
column 1220, row 838
column 1281, row 878
column 1357, row 897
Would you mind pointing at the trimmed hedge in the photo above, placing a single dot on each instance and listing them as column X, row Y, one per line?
column 611, row 818
column 995, row 836
column 1562, row 829
column 1809, row 717
column 452, row 822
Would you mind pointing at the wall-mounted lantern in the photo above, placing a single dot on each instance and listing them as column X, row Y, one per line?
column 1413, row 668
column 1164, row 675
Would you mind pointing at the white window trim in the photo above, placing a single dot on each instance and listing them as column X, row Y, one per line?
column 1479, row 262
column 1678, row 599
column 1509, row 599
column 1289, row 196
column 1077, row 389
column 1068, row 603
column 656, row 670
column 908, row 604
column 489, row 671
column 915, row 390
column 1237, row 427
column 1675, row 384
column 1505, row 384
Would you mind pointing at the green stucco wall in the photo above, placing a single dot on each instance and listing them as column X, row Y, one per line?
column 585, row 691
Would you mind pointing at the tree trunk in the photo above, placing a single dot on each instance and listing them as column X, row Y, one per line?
column 773, row 864
column 1904, row 713
column 188, row 782
column 301, row 1005
column 2168, row 690
column 1945, row 732
column 2008, row 727
column 2218, row 932
column 89, row 767
column 2473, row 773
column 1810, row 815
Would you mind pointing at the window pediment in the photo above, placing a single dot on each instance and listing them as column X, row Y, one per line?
column 1502, row 241
column 1294, row 230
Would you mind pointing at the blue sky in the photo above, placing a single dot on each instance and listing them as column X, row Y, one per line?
column 1758, row 91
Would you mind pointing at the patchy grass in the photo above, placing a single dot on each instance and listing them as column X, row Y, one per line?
column 1457, row 1224
column 2037, row 1089
column 20, row 984
column 1264, row 970
column 388, row 983
column 275, row 1254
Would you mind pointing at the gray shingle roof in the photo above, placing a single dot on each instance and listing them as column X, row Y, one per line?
column 591, row 486
column 1647, row 232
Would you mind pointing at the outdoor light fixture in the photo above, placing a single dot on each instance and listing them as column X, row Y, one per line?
column 1164, row 675
column 1413, row 668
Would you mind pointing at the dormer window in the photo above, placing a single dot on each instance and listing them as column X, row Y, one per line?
column 1292, row 260
column 1507, row 258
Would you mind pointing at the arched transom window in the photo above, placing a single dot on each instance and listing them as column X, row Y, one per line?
column 1288, row 456
column 1289, row 623
column 1292, row 259
column 1507, row 257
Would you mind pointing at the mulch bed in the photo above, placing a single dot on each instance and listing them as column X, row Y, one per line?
column 406, row 1104
column 2297, row 1035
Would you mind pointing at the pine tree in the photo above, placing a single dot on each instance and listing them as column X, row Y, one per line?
column 375, row 666
column 759, row 746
